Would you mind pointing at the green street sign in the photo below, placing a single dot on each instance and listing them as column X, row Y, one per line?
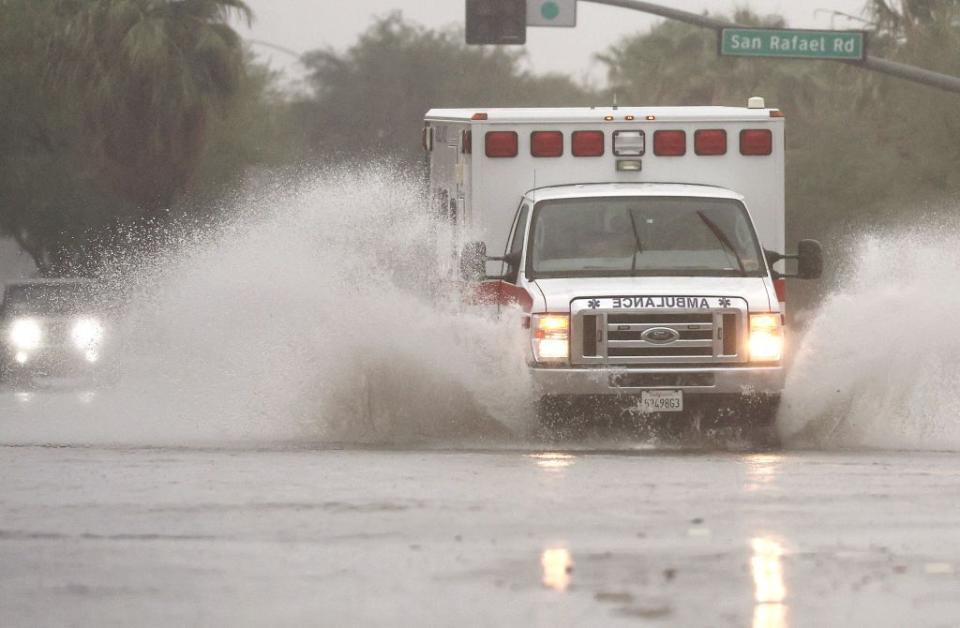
column 797, row 44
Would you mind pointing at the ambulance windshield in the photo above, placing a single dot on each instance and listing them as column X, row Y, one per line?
column 643, row 236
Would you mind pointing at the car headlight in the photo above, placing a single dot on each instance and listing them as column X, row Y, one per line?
column 766, row 338
column 87, row 333
column 551, row 337
column 26, row 334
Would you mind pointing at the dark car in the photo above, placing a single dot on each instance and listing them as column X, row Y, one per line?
column 58, row 328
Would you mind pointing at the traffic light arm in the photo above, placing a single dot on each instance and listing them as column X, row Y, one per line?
column 912, row 73
column 876, row 64
column 673, row 14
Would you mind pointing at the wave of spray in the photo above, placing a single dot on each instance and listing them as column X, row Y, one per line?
column 324, row 312
column 878, row 365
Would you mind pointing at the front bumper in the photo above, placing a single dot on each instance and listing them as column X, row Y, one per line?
column 746, row 381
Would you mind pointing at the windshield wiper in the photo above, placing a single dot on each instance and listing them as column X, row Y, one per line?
column 636, row 236
column 722, row 237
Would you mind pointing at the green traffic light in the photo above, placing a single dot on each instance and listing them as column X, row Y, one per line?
column 550, row 10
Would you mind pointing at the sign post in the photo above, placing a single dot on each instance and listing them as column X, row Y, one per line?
column 793, row 43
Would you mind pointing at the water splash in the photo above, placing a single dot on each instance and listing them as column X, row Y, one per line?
column 877, row 366
column 323, row 311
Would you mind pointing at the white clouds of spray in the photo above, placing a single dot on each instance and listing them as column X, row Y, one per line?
column 878, row 365
column 324, row 312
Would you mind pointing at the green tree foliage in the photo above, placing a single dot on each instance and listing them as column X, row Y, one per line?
column 918, row 125
column 909, row 18
column 256, row 133
column 111, row 110
column 148, row 74
column 45, row 197
column 369, row 102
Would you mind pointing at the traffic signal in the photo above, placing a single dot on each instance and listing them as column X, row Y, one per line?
column 496, row 22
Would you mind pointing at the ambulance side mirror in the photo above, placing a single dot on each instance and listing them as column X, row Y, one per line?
column 473, row 261
column 810, row 257
column 809, row 261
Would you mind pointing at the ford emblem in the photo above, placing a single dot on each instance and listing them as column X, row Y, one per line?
column 661, row 335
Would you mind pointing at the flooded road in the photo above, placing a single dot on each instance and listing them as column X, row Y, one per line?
column 95, row 536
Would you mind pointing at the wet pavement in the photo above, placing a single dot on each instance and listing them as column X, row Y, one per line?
column 159, row 537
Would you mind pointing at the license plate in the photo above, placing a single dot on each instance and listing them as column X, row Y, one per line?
column 662, row 401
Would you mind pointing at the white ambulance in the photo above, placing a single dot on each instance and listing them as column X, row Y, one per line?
column 642, row 242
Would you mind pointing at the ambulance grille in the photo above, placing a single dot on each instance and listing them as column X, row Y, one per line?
column 626, row 338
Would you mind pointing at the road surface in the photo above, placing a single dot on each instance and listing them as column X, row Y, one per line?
column 287, row 536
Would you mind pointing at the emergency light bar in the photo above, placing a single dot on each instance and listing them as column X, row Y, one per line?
column 626, row 143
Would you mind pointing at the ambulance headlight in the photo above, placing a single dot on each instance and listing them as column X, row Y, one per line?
column 551, row 337
column 25, row 334
column 87, row 333
column 766, row 338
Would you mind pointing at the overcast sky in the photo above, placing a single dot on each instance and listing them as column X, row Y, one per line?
column 302, row 25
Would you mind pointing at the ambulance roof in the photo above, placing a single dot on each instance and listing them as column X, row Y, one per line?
column 590, row 190
column 581, row 115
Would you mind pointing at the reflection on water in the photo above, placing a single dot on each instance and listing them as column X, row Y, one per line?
column 25, row 397
column 557, row 568
column 770, row 592
column 762, row 469
column 552, row 461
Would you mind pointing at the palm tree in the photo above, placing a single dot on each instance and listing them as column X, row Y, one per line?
column 900, row 15
column 918, row 31
column 903, row 19
column 147, row 75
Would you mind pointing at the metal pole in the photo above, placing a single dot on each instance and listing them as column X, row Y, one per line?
column 673, row 14
column 893, row 68
column 912, row 73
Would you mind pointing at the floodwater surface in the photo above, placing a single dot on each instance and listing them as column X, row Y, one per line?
column 159, row 536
